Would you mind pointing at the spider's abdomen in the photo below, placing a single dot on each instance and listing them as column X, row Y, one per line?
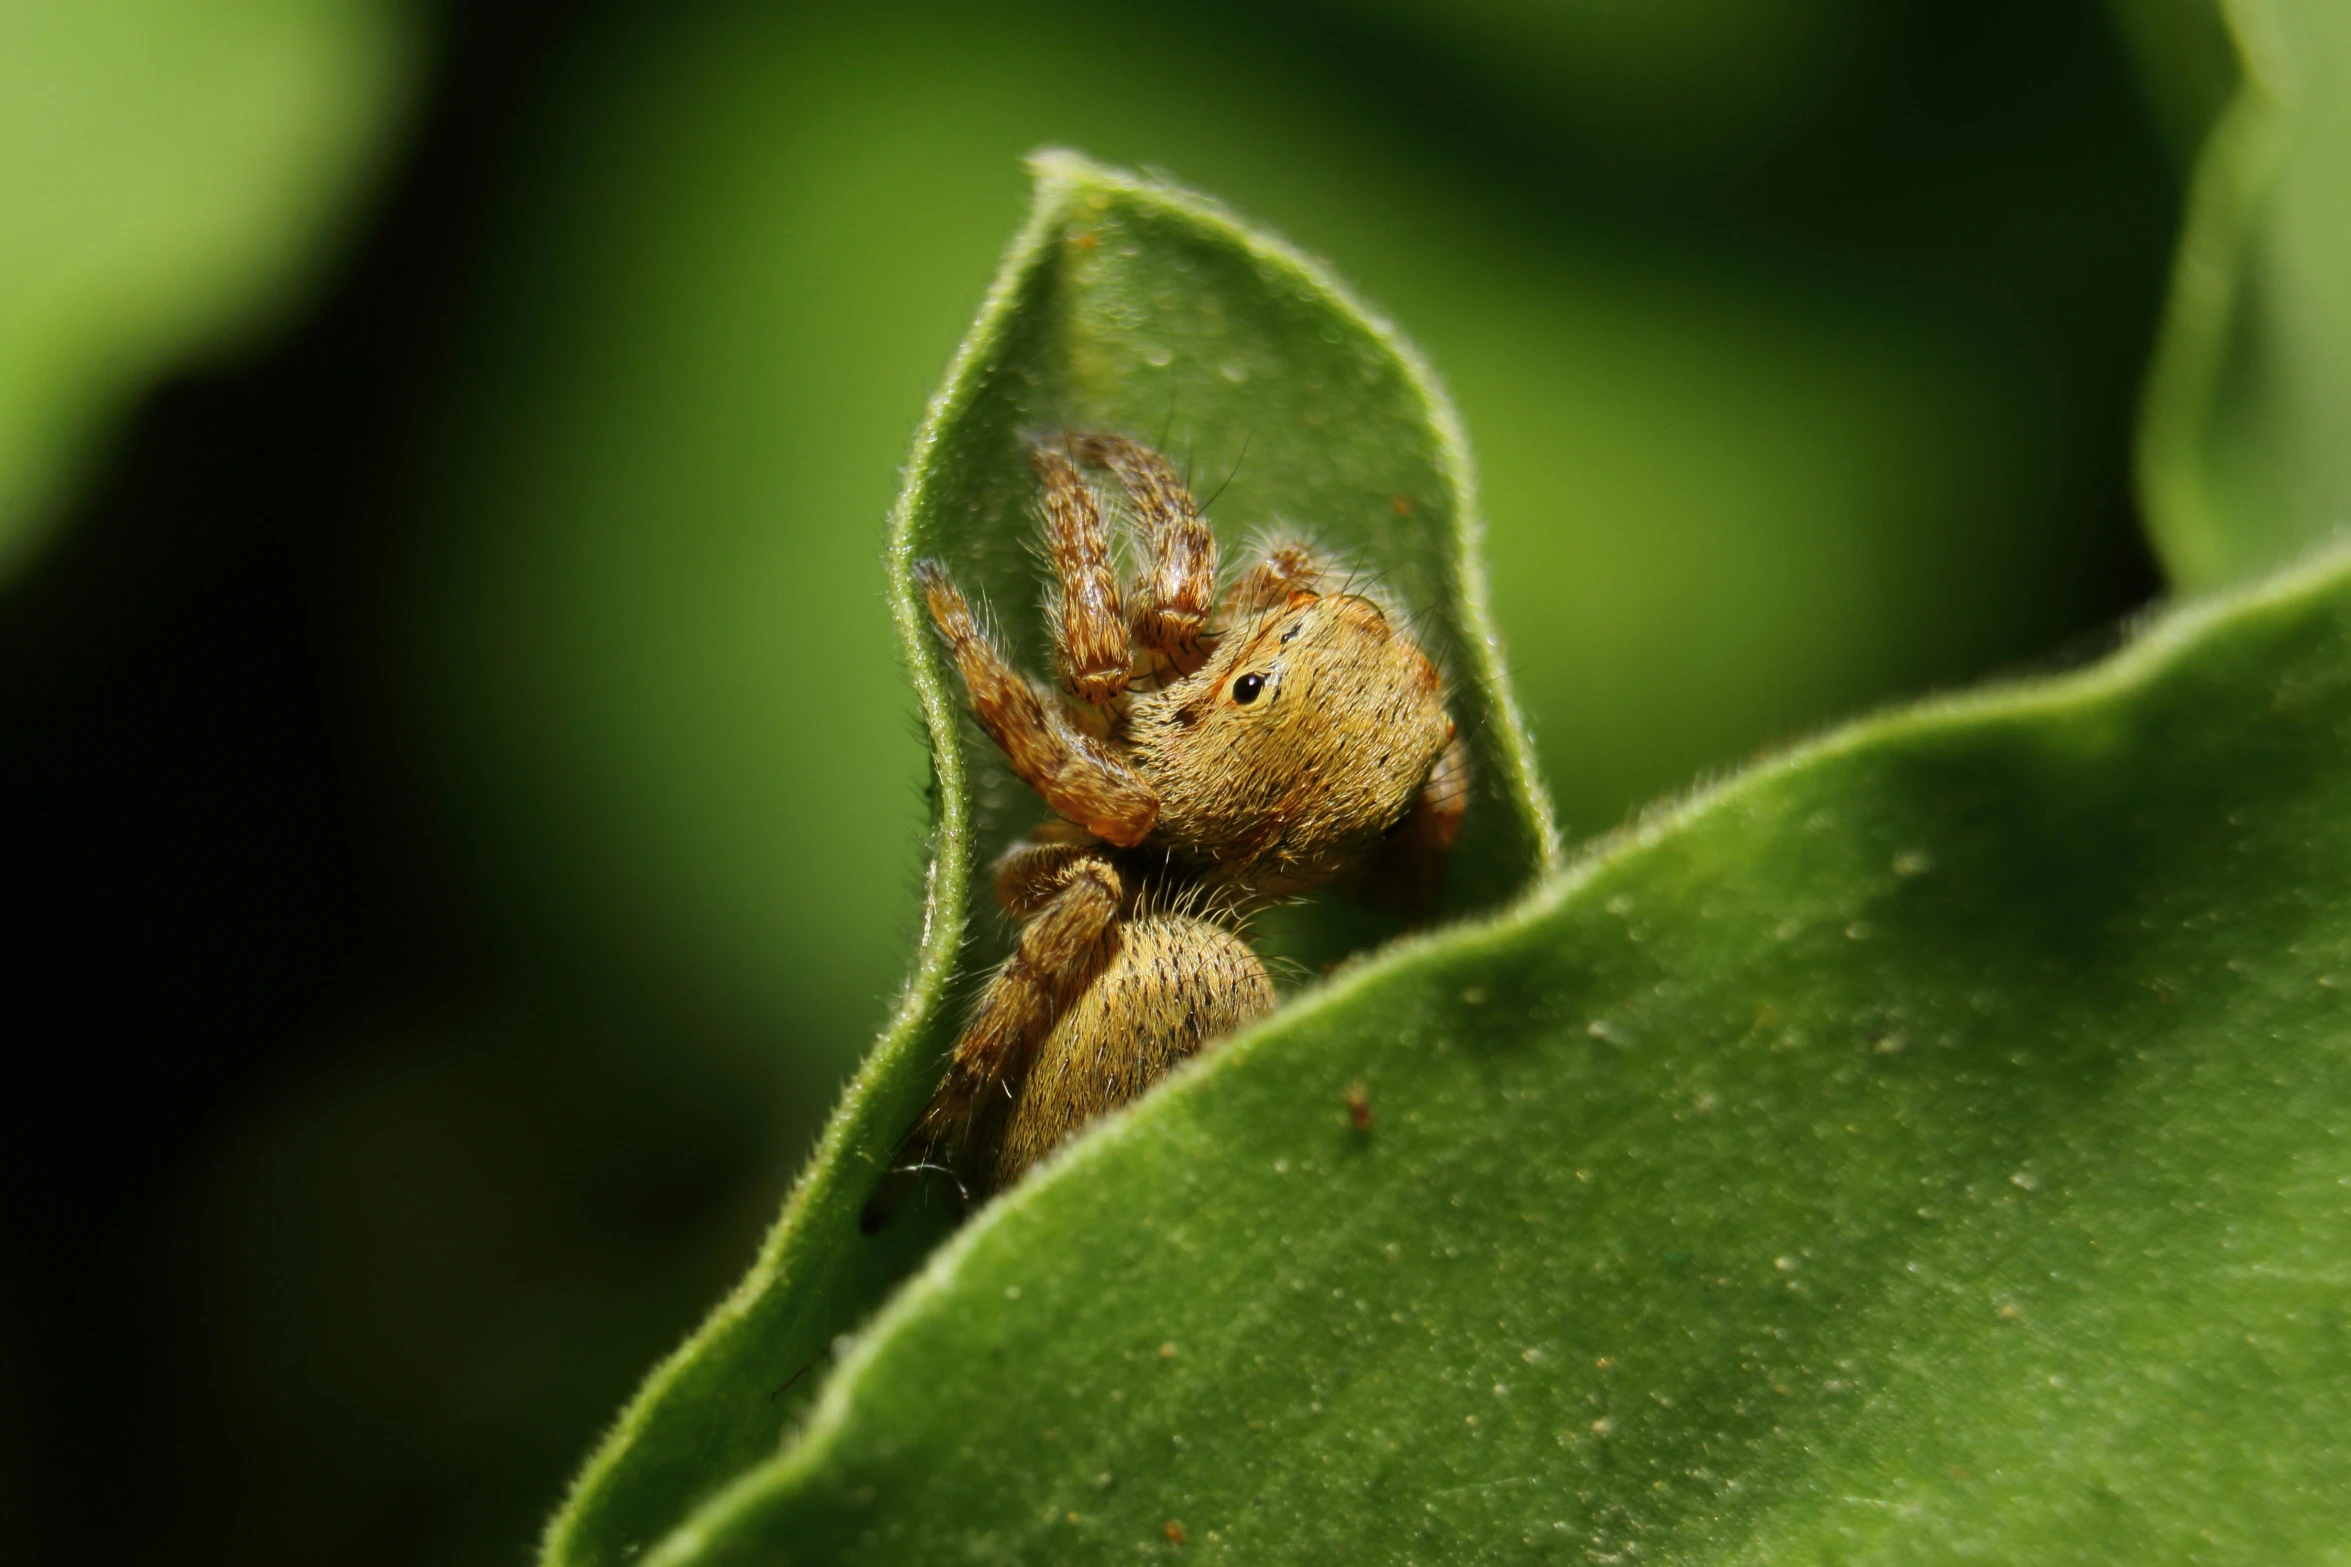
column 1167, row 983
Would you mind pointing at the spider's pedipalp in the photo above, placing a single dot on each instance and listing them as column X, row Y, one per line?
column 1089, row 627
column 1078, row 776
column 1176, row 587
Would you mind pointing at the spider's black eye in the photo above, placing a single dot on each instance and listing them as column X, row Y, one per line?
column 1246, row 688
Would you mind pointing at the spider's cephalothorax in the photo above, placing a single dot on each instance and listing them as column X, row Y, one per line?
column 1203, row 753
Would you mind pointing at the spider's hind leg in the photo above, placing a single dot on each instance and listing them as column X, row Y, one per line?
column 1054, row 960
column 1031, row 873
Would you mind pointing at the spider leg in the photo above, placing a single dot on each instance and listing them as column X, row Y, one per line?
column 1030, row 873
column 1409, row 865
column 1053, row 961
column 1435, row 817
column 1078, row 776
column 1176, row 589
column 1284, row 566
column 1089, row 630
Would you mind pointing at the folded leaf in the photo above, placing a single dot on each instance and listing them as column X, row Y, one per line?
column 1926, row 1147
column 1131, row 306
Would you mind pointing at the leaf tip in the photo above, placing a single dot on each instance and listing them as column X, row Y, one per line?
column 1059, row 172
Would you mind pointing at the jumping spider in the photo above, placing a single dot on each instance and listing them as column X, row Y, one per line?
column 1202, row 757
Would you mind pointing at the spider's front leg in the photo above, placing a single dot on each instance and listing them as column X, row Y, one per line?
column 1089, row 630
column 1056, row 957
column 1078, row 776
column 1177, row 587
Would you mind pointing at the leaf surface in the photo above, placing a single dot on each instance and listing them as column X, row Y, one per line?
column 2243, row 460
column 1926, row 1147
column 1130, row 305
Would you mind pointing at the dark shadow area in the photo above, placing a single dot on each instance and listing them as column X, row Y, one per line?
column 214, row 865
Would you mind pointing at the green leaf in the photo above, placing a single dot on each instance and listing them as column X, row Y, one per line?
column 168, row 172
column 1130, row 305
column 1926, row 1147
column 2243, row 460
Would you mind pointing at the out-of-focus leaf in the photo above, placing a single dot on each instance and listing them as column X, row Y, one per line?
column 168, row 173
column 1925, row 1148
column 1121, row 300
column 2245, row 445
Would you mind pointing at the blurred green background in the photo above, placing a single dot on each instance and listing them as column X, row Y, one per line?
column 473, row 814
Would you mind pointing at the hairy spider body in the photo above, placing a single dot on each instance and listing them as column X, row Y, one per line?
column 1204, row 754
column 1164, row 986
column 1283, row 790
